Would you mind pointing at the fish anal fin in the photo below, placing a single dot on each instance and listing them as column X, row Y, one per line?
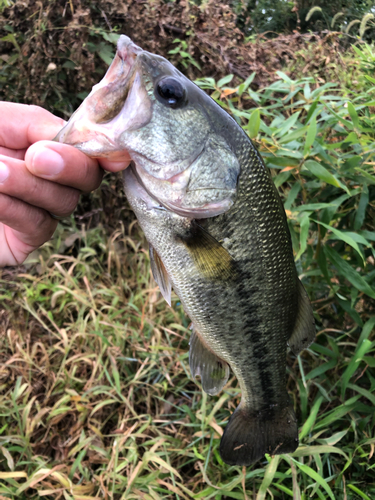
column 210, row 257
column 304, row 328
column 160, row 275
column 249, row 435
column 214, row 372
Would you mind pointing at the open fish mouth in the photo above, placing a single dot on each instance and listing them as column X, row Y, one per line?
column 114, row 104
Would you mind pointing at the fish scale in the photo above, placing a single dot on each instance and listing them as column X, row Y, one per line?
column 217, row 232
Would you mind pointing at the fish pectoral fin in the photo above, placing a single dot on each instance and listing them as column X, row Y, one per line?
column 304, row 328
column 160, row 275
column 214, row 372
column 210, row 257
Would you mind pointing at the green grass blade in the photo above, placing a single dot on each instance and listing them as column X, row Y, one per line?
column 353, row 365
column 359, row 492
column 268, row 477
column 308, row 425
column 349, row 272
column 316, row 477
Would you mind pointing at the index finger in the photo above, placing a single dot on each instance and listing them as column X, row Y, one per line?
column 21, row 125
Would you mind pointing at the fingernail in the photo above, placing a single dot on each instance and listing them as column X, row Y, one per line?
column 4, row 172
column 47, row 163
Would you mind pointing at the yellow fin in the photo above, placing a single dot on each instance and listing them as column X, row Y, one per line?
column 211, row 258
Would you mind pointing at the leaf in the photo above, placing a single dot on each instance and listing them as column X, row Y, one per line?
column 281, row 178
column 111, row 37
column 310, row 137
column 305, row 451
column 367, row 329
column 305, row 223
column 311, row 111
column 227, row 92
column 293, row 193
column 322, row 173
column 244, row 86
column 308, row 425
column 322, row 262
column 284, row 77
column 345, row 304
column 288, row 124
column 353, row 365
column 268, row 477
column 314, row 475
column 106, row 55
column 367, row 394
column 12, row 475
column 8, row 457
column 358, row 238
column 319, row 370
column 359, row 492
column 296, row 134
column 336, row 414
column 12, row 39
column 153, row 457
column 346, row 270
column 224, row 81
column 343, row 237
column 254, row 123
column 335, row 438
column 361, row 210
column 369, row 177
column 353, row 115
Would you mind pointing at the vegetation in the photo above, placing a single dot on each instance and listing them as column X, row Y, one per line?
column 279, row 16
column 96, row 399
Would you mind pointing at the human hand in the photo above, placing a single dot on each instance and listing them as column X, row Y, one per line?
column 38, row 179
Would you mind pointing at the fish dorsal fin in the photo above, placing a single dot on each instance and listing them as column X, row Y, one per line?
column 214, row 372
column 304, row 328
column 160, row 275
column 210, row 257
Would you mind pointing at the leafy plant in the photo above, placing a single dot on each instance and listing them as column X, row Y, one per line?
column 366, row 54
column 182, row 49
column 96, row 400
column 95, row 354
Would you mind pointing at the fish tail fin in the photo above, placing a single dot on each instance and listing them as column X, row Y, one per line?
column 249, row 435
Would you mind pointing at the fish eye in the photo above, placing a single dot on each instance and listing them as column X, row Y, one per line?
column 171, row 92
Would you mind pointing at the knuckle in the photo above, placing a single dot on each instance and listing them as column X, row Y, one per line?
column 40, row 219
column 9, row 206
column 68, row 202
column 33, row 188
column 43, row 224
column 92, row 176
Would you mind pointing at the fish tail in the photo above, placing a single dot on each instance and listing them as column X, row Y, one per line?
column 249, row 435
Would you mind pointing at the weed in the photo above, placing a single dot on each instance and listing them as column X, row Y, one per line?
column 96, row 400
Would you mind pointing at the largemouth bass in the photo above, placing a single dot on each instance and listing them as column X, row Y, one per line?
column 218, row 236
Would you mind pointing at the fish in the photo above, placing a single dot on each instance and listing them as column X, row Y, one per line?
column 217, row 233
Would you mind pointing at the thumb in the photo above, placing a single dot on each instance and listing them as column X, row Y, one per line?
column 115, row 166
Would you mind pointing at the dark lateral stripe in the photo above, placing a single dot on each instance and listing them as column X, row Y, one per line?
column 265, row 380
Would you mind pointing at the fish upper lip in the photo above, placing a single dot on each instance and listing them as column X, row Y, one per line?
column 123, row 44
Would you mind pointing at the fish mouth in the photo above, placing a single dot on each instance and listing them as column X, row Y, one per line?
column 115, row 104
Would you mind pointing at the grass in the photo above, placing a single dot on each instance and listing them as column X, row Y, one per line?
column 96, row 399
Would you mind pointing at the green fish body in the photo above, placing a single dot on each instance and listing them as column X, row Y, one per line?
column 218, row 236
